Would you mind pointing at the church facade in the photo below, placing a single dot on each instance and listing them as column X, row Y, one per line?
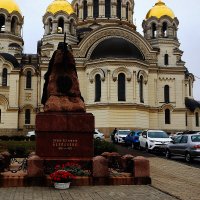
column 127, row 80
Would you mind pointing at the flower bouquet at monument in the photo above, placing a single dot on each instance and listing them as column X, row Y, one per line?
column 61, row 179
column 73, row 168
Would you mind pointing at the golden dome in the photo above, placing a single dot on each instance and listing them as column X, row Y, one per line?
column 60, row 5
column 10, row 6
column 159, row 10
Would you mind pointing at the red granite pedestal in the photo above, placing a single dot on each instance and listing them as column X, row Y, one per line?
column 64, row 136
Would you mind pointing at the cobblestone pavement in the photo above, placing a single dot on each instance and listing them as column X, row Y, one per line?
column 133, row 192
column 176, row 178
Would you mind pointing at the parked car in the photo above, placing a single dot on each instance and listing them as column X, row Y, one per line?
column 120, row 135
column 175, row 135
column 98, row 135
column 132, row 139
column 30, row 133
column 187, row 146
column 154, row 140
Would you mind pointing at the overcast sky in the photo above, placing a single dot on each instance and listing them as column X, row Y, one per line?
column 186, row 12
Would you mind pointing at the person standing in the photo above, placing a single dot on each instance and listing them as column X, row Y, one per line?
column 113, row 135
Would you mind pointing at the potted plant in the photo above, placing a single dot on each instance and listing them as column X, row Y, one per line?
column 61, row 179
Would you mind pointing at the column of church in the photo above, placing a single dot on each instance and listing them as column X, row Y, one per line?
column 113, row 8
column 102, row 8
column 90, row 9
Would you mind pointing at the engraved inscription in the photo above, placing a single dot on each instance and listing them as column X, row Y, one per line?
column 65, row 144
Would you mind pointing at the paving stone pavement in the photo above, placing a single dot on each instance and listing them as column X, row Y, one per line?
column 133, row 192
column 176, row 178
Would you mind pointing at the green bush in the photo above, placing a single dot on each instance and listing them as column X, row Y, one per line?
column 17, row 137
column 4, row 137
column 101, row 146
column 18, row 148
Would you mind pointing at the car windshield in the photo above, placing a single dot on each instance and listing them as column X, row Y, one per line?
column 124, row 132
column 156, row 134
column 195, row 138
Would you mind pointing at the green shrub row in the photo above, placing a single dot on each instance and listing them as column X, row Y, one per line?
column 101, row 146
column 18, row 148
column 16, row 138
column 23, row 148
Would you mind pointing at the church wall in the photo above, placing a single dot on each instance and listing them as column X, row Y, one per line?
column 167, row 49
column 153, row 120
column 14, row 90
column 9, row 120
column 121, row 117
column 180, row 95
column 177, row 121
column 82, row 83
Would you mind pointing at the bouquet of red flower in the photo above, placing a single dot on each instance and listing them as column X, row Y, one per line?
column 62, row 176
column 73, row 168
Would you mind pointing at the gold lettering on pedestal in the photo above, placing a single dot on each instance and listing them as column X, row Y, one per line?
column 65, row 144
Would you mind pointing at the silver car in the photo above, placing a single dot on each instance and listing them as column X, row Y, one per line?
column 186, row 145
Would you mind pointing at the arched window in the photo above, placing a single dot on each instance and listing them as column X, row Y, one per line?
column 14, row 25
column 166, row 59
column 50, row 26
column 107, row 8
column 166, row 94
column 121, row 87
column 85, row 9
column 197, row 119
column 95, row 8
column 27, row 116
column 28, row 80
column 97, row 88
column 141, row 89
column 167, row 116
column 77, row 10
column 127, row 10
column 60, row 25
column 2, row 23
column 119, row 5
column 154, row 31
column 4, row 77
column 164, row 29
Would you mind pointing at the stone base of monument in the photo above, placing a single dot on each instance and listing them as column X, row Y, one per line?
column 101, row 174
column 61, row 135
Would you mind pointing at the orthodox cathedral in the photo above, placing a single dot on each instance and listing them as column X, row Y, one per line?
column 127, row 80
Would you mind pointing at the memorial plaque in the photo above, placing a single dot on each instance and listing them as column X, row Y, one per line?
column 74, row 138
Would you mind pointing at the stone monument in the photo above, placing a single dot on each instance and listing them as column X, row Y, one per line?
column 64, row 131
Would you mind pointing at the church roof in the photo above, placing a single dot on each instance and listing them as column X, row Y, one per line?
column 10, row 6
column 191, row 104
column 60, row 5
column 116, row 48
column 160, row 9
column 11, row 59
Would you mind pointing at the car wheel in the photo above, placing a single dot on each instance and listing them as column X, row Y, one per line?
column 188, row 157
column 97, row 138
column 168, row 154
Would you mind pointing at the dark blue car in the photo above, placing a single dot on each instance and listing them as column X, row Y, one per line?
column 132, row 139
